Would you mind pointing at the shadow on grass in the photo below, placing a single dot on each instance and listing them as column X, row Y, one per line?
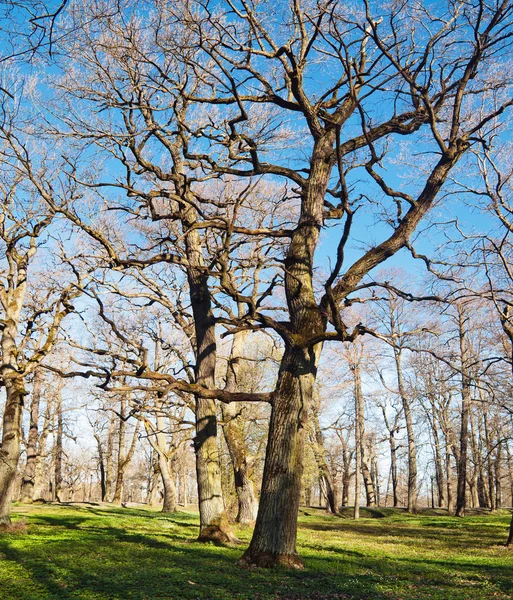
column 106, row 562
column 130, row 554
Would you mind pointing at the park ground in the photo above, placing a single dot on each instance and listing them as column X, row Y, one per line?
column 106, row 553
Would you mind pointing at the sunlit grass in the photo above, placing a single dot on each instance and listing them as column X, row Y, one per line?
column 113, row 553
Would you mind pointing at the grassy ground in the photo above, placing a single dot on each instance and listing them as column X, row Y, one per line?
column 88, row 552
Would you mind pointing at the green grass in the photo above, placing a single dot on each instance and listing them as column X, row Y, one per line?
column 90, row 552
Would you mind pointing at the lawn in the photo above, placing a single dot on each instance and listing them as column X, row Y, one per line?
column 92, row 552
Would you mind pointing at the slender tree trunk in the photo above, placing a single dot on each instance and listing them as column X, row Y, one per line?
column 101, row 464
column 498, row 476
column 465, row 410
column 234, row 435
column 439, row 471
column 346, row 482
column 120, row 471
column 109, row 463
column 123, row 459
column 319, row 450
column 510, row 536
column 58, row 449
column 358, row 399
column 27, row 486
column 411, row 506
column 368, row 482
column 41, row 447
column 448, row 478
column 153, row 478
column 157, row 438
column 185, row 497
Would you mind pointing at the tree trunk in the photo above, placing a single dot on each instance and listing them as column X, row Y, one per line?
column 213, row 521
column 153, row 478
column 158, row 441
column 346, row 477
column 411, row 506
column 510, row 536
column 109, row 460
column 123, row 459
column 11, row 444
column 448, row 479
column 274, row 538
column 358, row 399
column 101, row 464
column 439, row 471
column 234, row 435
column 465, row 410
column 27, row 486
column 319, row 450
column 41, row 447
column 169, row 504
column 370, row 491
column 58, row 450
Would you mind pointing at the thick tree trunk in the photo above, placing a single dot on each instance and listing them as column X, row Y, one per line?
column 213, row 520
column 274, row 538
column 29, row 475
column 11, row 444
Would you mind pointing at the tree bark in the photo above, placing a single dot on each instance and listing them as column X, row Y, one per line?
column 358, row 401
column 29, row 475
column 168, row 482
column 153, row 478
column 11, row 444
column 392, row 430
column 58, row 449
column 274, row 538
column 465, row 410
column 319, row 450
column 123, row 459
column 234, row 434
column 411, row 506
column 157, row 439
column 510, row 536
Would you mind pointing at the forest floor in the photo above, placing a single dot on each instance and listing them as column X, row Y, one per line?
column 96, row 552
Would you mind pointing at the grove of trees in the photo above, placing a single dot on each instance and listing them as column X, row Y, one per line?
column 257, row 255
